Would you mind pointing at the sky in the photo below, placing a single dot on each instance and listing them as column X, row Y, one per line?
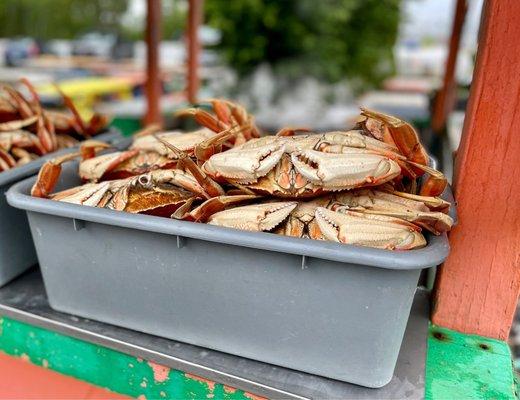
column 434, row 18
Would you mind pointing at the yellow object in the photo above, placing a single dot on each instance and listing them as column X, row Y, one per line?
column 86, row 92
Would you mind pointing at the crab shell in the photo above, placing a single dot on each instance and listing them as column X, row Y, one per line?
column 158, row 192
column 305, row 166
column 369, row 230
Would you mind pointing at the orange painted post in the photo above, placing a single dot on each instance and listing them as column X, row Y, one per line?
column 477, row 288
column 153, row 80
column 194, row 22
column 446, row 97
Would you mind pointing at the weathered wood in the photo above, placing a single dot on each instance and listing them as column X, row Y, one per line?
column 153, row 80
column 446, row 97
column 194, row 21
column 478, row 286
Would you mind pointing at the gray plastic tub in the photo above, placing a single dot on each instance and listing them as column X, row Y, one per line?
column 16, row 246
column 334, row 310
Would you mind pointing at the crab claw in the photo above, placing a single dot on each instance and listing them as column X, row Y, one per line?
column 49, row 174
column 245, row 164
column 345, row 171
column 255, row 217
column 369, row 230
column 98, row 168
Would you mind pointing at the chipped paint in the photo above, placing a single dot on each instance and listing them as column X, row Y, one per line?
column 211, row 384
column 252, row 396
column 98, row 365
column 160, row 372
column 467, row 366
column 229, row 389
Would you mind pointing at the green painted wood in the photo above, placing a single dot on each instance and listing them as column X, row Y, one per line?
column 460, row 366
column 101, row 366
column 127, row 126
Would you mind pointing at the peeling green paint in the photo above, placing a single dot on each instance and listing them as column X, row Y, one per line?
column 113, row 370
column 460, row 366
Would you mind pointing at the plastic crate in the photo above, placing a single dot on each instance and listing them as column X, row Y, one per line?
column 325, row 308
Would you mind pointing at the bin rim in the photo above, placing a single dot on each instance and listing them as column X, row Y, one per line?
column 433, row 254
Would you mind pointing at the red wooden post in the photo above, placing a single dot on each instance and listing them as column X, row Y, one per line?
column 478, row 286
column 194, row 21
column 153, row 79
column 446, row 97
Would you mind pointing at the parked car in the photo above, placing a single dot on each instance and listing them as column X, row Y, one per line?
column 94, row 44
column 20, row 49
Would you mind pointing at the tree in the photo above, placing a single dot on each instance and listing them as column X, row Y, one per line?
column 329, row 39
column 59, row 19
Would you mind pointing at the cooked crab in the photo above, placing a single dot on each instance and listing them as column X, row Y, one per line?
column 305, row 166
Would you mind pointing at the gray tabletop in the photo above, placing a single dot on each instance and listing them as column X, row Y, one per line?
column 24, row 299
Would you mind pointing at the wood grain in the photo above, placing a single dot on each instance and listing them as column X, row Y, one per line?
column 477, row 288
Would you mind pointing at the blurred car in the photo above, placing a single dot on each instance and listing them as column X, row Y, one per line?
column 20, row 49
column 94, row 44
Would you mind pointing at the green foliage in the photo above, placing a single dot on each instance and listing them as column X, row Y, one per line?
column 59, row 19
column 329, row 39
column 173, row 22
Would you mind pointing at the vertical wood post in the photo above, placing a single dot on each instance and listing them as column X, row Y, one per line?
column 194, row 21
column 446, row 97
column 477, row 288
column 153, row 79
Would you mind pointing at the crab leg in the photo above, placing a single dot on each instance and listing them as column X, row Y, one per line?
column 204, row 118
column 22, row 105
column 6, row 160
column 403, row 135
column 369, row 230
column 212, row 188
column 81, row 128
column 204, row 150
column 49, row 174
column 434, row 184
column 291, row 131
column 16, row 125
column 210, row 207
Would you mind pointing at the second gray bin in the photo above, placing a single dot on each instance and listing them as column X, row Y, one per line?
column 325, row 308
column 16, row 246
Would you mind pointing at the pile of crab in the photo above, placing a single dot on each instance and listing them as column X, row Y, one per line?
column 358, row 187
column 27, row 131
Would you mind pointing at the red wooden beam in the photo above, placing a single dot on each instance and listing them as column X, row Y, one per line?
column 477, row 288
column 194, row 21
column 446, row 97
column 153, row 80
